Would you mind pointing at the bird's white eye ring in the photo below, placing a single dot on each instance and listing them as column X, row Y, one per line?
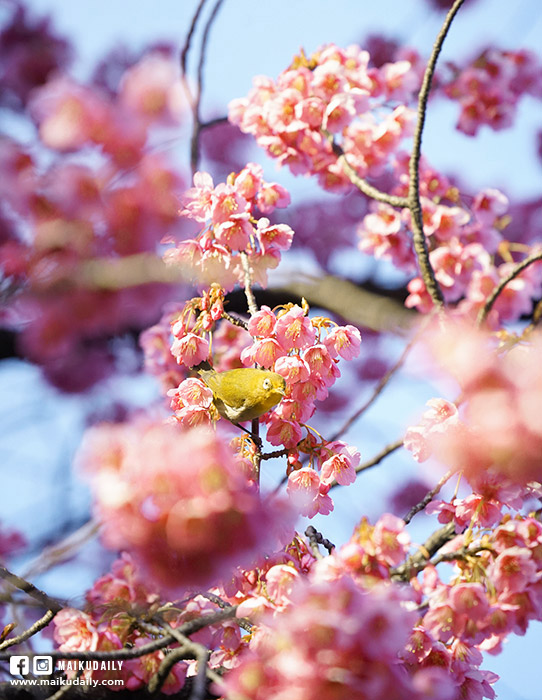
column 266, row 383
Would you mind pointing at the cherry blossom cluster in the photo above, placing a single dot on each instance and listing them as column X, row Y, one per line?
column 305, row 351
column 228, row 212
column 336, row 637
column 501, row 394
column 467, row 250
column 495, row 589
column 102, row 197
column 489, row 88
column 114, row 606
column 178, row 501
column 332, row 92
column 446, row 670
column 336, row 92
column 158, row 342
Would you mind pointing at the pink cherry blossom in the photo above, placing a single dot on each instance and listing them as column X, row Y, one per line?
column 190, row 349
column 344, row 341
column 294, row 329
column 341, row 464
column 262, row 323
column 178, row 502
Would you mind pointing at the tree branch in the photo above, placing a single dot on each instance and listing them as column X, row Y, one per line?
column 196, row 126
column 49, row 603
column 361, row 184
column 418, row 561
column 30, row 632
column 414, row 204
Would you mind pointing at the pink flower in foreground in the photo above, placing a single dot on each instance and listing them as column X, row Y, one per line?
column 442, row 416
column 502, row 405
column 334, row 640
column 178, row 502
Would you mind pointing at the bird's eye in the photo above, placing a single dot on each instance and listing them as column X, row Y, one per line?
column 266, row 383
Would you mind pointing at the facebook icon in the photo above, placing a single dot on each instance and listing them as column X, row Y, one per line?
column 19, row 665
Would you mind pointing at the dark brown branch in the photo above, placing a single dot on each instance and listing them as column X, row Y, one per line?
column 275, row 454
column 49, row 603
column 188, row 40
column 196, row 126
column 30, row 632
column 316, row 538
column 414, row 204
column 486, row 308
column 427, row 498
column 418, row 561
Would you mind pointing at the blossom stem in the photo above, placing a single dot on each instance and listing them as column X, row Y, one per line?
column 251, row 300
column 360, row 183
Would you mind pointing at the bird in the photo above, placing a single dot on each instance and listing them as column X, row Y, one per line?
column 244, row 394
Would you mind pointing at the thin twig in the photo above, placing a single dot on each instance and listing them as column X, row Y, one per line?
column 427, row 498
column 217, row 600
column 31, row 590
column 316, row 538
column 363, row 185
column 188, row 40
column 486, row 308
column 60, row 551
column 30, row 632
column 275, row 453
column 213, row 122
column 193, row 100
column 414, row 204
column 460, row 554
column 196, row 125
column 388, row 450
